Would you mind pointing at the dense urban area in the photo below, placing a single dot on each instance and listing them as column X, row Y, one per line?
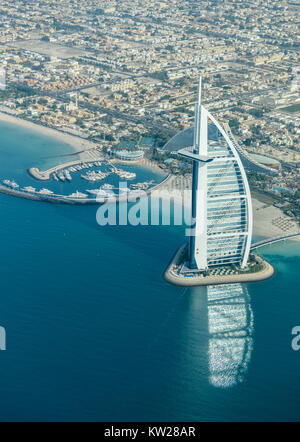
column 124, row 75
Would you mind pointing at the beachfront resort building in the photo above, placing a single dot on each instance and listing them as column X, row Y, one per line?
column 129, row 155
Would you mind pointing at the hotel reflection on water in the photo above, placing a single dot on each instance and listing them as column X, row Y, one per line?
column 230, row 327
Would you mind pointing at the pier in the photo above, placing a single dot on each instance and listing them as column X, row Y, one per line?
column 45, row 175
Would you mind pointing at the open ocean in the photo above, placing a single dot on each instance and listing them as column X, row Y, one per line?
column 95, row 333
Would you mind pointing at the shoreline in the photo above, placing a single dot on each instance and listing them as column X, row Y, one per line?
column 266, row 272
column 78, row 144
column 144, row 162
column 268, row 221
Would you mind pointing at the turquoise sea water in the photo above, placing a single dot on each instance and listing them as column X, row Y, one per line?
column 95, row 333
column 44, row 153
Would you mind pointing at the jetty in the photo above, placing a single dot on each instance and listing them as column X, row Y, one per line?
column 45, row 175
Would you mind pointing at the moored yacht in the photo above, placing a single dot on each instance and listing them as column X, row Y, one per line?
column 29, row 189
column 46, row 192
column 77, row 195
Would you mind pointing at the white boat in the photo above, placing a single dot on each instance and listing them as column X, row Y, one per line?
column 129, row 175
column 14, row 185
column 46, row 192
column 61, row 176
column 68, row 175
column 123, row 173
column 78, row 195
column 94, row 176
column 29, row 189
column 143, row 186
column 100, row 193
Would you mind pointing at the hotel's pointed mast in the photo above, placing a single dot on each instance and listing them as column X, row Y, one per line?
column 198, row 119
column 198, row 153
column 198, row 232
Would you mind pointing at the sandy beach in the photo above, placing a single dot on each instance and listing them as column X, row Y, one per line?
column 268, row 220
column 77, row 143
column 144, row 162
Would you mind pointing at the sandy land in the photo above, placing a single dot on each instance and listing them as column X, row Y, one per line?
column 152, row 165
column 144, row 162
column 171, row 275
column 77, row 143
column 268, row 221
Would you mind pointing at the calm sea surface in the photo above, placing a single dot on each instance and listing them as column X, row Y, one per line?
column 95, row 333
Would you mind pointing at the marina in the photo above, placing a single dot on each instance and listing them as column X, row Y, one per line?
column 66, row 182
column 63, row 172
column 90, row 196
column 95, row 176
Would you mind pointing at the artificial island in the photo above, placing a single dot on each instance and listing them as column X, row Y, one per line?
column 220, row 236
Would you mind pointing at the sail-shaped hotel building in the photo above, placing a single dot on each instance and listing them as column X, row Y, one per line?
column 221, row 229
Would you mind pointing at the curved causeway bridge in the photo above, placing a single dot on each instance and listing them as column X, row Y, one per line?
column 268, row 241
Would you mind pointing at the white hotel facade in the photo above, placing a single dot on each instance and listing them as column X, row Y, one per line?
column 221, row 200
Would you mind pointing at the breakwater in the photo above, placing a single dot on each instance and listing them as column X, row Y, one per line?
column 45, row 175
column 46, row 198
column 62, row 199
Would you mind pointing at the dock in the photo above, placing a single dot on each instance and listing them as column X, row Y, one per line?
column 45, row 175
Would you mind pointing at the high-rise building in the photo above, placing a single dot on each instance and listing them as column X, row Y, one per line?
column 221, row 230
